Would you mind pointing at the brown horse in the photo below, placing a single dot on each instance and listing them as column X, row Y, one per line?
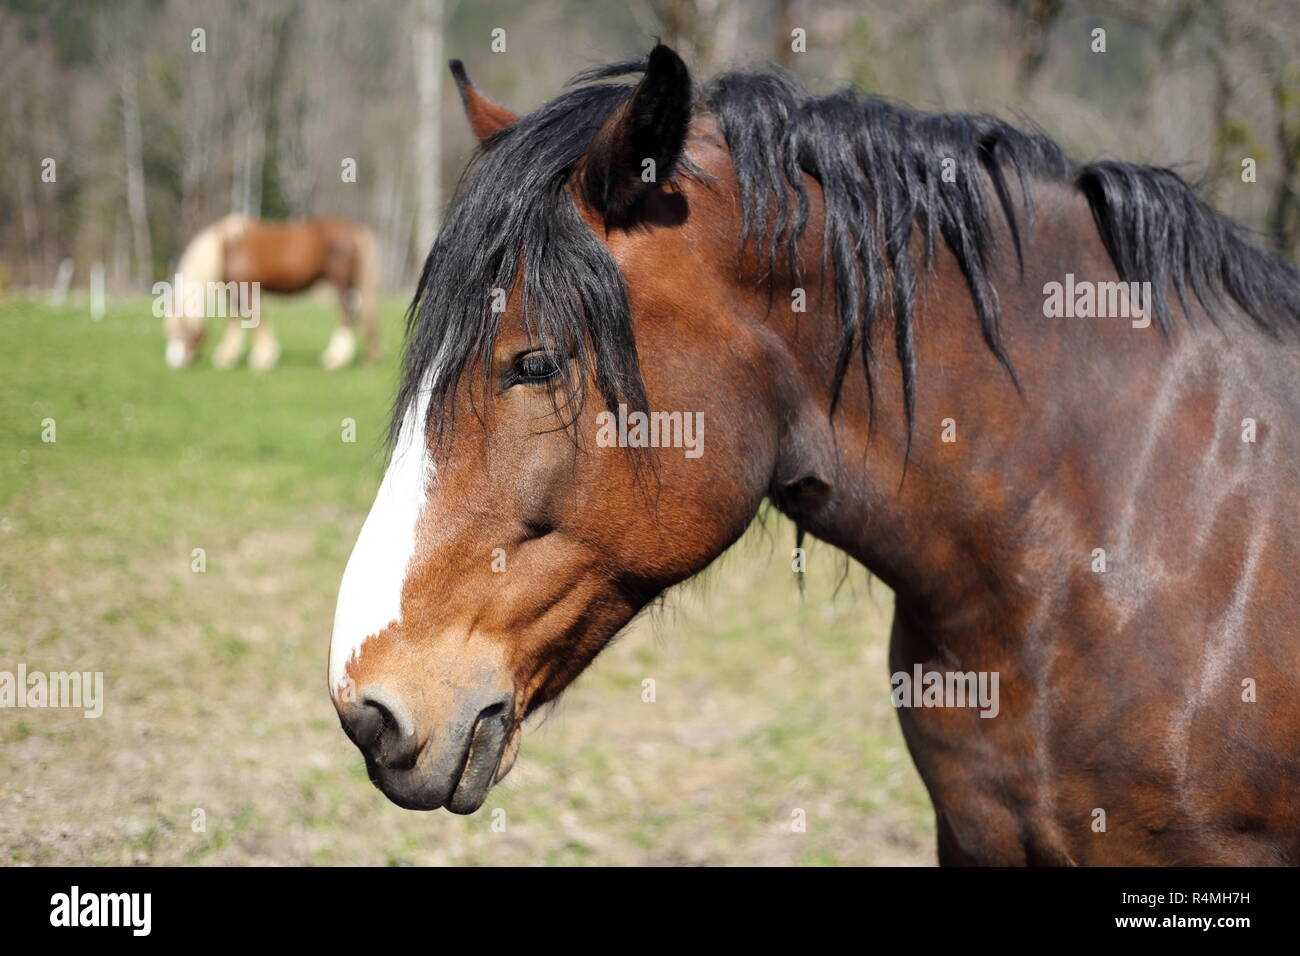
column 916, row 335
column 227, row 266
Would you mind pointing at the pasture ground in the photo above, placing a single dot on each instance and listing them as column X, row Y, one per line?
column 215, row 682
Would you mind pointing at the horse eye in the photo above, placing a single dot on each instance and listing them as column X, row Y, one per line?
column 536, row 367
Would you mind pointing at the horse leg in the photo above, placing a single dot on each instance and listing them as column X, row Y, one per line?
column 342, row 347
column 232, row 343
column 951, row 852
column 363, row 283
column 266, row 351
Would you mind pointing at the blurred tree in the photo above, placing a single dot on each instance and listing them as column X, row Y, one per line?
column 1284, row 212
column 1031, row 23
column 153, row 138
column 429, row 17
column 700, row 30
column 788, row 17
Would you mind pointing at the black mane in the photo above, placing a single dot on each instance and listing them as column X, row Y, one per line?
column 878, row 164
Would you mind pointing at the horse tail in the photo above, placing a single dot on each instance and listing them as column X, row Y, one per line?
column 366, row 284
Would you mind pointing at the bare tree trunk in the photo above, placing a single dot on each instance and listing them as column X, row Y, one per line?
column 254, row 162
column 427, row 40
column 1284, row 214
column 246, row 185
column 691, row 27
column 1031, row 22
column 27, row 209
column 137, row 208
column 787, row 14
column 1219, row 110
column 196, row 164
column 396, row 219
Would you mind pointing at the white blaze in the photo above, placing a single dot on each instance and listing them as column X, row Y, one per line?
column 370, row 596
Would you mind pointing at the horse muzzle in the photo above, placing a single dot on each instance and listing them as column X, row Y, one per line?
column 451, row 762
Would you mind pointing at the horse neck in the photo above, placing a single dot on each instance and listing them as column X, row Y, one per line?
column 966, row 531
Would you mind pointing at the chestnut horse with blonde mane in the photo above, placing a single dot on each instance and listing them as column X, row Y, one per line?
column 1090, row 503
column 238, row 253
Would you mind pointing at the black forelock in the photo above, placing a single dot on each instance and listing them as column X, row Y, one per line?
column 511, row 213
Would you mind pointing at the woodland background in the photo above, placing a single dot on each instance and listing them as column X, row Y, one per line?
column 152, row 140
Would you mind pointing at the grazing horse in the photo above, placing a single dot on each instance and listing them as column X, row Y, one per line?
column 225, row 268
column 1053, row 406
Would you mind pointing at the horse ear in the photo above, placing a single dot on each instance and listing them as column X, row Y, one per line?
column 485, row 117
column 642, row 142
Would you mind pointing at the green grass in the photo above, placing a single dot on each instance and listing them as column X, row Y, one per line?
column 214, row 682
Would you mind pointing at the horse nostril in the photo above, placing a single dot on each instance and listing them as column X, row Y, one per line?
column 362, row 724
column 381, row 727
column 387, row 722
column 492, row 710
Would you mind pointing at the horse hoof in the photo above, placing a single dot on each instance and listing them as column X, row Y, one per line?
column 341, row 350
column 263, row 361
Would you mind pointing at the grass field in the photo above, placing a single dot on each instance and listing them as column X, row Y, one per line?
column 215, row 693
